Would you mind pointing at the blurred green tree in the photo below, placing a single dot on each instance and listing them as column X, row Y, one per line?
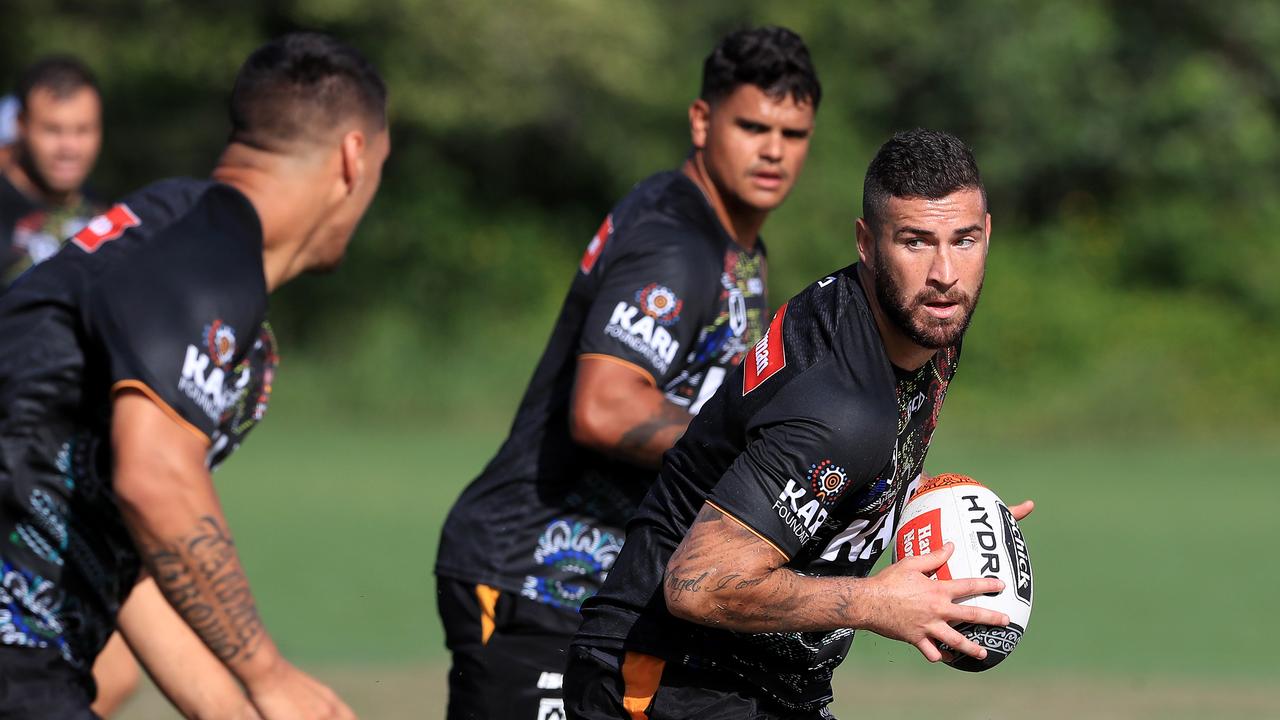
column 1130, row 149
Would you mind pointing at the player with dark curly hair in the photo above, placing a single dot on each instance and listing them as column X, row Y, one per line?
column 745, row 572
column 667, row 300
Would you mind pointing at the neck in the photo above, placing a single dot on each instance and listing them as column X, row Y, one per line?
column 285, row 206
column 742, row 223
column 27, row 183
column 902, row 352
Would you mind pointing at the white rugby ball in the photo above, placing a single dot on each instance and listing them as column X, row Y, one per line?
column 988, row 543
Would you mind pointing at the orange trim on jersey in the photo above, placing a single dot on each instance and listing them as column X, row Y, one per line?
column 488, row 597
column 749, row 529
column 155, row 398
column 624, row 363
column 640, row 676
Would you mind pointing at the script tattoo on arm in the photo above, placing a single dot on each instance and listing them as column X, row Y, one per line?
column 202, row 578
column 724, row 575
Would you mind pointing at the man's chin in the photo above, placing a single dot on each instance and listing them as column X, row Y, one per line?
column 935, row 335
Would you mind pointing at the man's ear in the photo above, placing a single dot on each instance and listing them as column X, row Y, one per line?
column 352, row 150
column 699, row 122
column 988, row 232
column 866, row 240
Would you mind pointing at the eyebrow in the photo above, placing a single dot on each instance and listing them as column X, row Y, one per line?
column 744, row 120
column 922, row 231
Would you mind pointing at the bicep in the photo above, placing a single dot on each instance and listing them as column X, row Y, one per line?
column 152, row 447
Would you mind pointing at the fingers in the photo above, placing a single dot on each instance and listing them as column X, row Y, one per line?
column 929, row 563
column 929, row 650
column 972, row 586
column 960, row 643
column 1022, row 509
column 976, row 615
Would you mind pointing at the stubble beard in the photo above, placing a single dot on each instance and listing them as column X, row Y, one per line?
column 927, row 331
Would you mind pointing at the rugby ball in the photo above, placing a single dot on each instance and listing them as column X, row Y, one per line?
column 960, row 510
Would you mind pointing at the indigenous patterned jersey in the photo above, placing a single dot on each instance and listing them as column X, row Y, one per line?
column 813, row 445
column 663, row 288
column 164, row 294
column 31, row 233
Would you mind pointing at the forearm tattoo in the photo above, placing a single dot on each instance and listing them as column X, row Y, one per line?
column 753, row 593
column 637, row 440
column 204, row 581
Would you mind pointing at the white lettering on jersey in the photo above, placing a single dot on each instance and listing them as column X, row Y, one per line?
column 804, row 520
column 210, row 392
column 643, row 336
column 867, row 539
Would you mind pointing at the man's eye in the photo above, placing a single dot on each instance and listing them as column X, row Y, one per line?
column 916, row 243
column 966, row 242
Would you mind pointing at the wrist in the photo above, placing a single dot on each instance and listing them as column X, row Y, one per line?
column 864, row 603
column 261, row 670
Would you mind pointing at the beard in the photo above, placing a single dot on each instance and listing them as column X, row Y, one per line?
column 909, row 316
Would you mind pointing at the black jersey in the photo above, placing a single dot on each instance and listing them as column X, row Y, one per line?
column 165, row 294
column 661, row 287
column 812, row 444
column 31, row 232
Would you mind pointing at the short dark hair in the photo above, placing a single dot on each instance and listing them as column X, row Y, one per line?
column 61, row 75
column 773, row 59
column 299, row 87
column 918, row 163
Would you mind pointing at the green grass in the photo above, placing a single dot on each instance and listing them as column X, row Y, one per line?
column 1150, row 562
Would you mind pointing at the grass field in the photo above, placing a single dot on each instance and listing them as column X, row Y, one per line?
column 1155, row 584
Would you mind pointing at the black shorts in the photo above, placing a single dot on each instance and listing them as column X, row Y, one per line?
column 603, row 685
column 509, row 653
column 38, row 683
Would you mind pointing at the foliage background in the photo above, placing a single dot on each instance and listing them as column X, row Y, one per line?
column 1131, row 152
column 1121, row 368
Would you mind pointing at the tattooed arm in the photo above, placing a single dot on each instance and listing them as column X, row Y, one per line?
column 724, row 575
column 617, row 410
column 167, row 500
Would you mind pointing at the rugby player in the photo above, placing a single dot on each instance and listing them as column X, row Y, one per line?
column 744, row 573
column 59, row 134
column 136, row 360
column 667, row 299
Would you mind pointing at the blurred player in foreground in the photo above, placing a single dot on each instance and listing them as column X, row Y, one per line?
column 742, row 580
column 666, row 301
column 59, row 134
column 137, row 359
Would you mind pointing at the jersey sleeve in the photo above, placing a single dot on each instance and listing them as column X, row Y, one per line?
column 175, row 338
column 648, row 308
column 787, row 481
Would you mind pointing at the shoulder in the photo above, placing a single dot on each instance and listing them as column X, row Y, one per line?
column 195, row 242
column 666, row 209
column 658, row 222
column 825, row 351
column 811, row 324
